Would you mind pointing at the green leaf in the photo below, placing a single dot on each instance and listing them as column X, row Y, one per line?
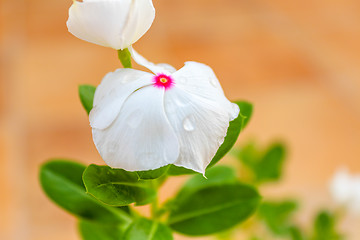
column 176, row 171
column 213, row 209
column 277, row 215
column 325, row 227
column 153, row 174
column 235, row 127
column 295, row 233
column 145, row 229
column 265, row 165
column 217, row 175
column 86, row 94
column 117, row 187
column 125, row 57
column 270, row 168
column 94, row 231
column 62, row 182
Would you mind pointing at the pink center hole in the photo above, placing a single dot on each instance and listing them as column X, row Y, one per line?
column 163, row 81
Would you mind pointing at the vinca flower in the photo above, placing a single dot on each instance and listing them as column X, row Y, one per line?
column 345, row 190
column 142, row 121
column 110, row 23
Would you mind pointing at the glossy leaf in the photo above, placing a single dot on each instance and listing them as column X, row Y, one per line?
column 153, row 174
column 86, row 94
column 217, row 175
column 176, row 171
column 145, row 229
column 94, row 231
column 61, row 180
column 207, row 210
column 125, row 57
column 235, row 127
column 117, row 187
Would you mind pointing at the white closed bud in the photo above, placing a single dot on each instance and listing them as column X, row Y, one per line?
column 111, row 23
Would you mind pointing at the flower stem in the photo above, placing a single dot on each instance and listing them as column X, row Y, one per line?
column 125, row 57
column 157, row 212
column 154, row 208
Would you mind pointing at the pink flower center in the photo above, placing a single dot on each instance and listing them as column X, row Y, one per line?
column 163, row 81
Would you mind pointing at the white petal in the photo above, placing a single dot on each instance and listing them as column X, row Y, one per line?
column 110, row 95
column 200, row 125
column 140, row 18
column 141, row 137
column 200, row 80
column 110, row 23
column 155, row 68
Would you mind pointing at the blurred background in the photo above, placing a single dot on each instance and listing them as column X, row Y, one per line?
column 297, row 61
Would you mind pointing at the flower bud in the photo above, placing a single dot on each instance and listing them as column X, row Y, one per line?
column 111, row 23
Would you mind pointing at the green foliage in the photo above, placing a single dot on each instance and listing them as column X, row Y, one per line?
column 217, row 175
column 277, row 215
column 117, row 187
column 145, row 229
column 61, row 181
column 265, row 166
column 295, row 233
column 206, row 206
column 125, row 57
column 176, row 171
column 94, row 231
column 86, row 94
column 153, row 174
column 325, row 227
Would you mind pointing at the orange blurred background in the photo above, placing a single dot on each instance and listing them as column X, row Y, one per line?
column 297, row 61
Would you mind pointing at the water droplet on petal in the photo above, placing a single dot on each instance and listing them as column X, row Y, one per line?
column 213, row 82
column 189, row 124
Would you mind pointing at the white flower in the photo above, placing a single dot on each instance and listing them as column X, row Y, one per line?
column 110, row 23
column 142, row 121
column 345, row 190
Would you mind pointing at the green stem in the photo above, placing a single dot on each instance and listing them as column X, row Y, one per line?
column 157, row 212
column 155, row 208
column 125, row 57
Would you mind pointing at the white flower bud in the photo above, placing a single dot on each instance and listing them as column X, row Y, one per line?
column 111, row 23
